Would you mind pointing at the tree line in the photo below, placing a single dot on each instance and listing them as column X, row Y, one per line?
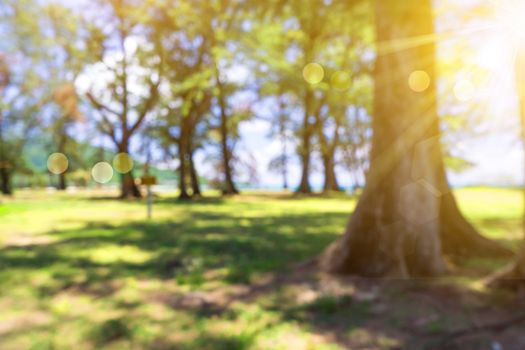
column 168, row 72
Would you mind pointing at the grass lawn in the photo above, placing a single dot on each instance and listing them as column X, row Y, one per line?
column 83, row 271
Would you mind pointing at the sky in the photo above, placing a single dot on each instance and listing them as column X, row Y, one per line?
column 497, row 152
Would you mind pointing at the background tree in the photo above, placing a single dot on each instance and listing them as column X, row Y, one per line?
column 223, row 29
column 22, row 92
column 188, row 59
column 64, row 61
column 281, row 130
column 128, row 61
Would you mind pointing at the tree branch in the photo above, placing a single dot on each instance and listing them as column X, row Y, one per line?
column 100, row 106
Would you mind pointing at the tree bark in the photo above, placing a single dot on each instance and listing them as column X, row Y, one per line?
column 328, row 154
column 406, row 209
column 195, row 184
column 330, row 178
column 62, row 183
column 5, row 181
column 183, row 160
column 62, row 143
column 229, row 186
column 128, row 187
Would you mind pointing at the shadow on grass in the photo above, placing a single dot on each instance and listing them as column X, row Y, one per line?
column 93, row 260
column 182, row 250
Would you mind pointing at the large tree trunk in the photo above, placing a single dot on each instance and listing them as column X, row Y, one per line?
column 406, row 206
column 305, row 147
column 5, row 181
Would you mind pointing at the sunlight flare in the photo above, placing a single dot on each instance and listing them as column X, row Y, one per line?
column 313, row 73
column 419, row 81
column 102, row 172
column 57, row 163
column 123, row 163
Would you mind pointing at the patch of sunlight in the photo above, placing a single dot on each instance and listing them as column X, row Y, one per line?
column 156, row 312
column 127, row 295
column 112, row 253
column 213, row 236
column 490, row 202
column 291, row 336
column 71, row 305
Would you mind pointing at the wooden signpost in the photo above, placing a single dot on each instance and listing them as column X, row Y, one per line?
column 148, row 181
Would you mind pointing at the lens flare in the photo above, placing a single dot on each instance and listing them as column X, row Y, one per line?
column 102, row 172
column 57, row 163
column 419, row 81
column 313, row 73
column 123, row 163
column 509, row 14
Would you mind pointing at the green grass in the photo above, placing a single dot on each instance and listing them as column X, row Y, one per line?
column 81, row 271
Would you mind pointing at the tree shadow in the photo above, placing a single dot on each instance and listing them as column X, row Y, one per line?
column 178, row 250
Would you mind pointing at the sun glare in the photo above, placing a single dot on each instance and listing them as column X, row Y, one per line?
column 510, row 16
column 464, row 90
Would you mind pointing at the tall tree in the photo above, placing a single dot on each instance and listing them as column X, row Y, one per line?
column 22, row 93
column 407, row 216
column 124, row 54
column 314, row 33
column 281, row 130
column 64, row 60
column 329, row 144
column 223, row 21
